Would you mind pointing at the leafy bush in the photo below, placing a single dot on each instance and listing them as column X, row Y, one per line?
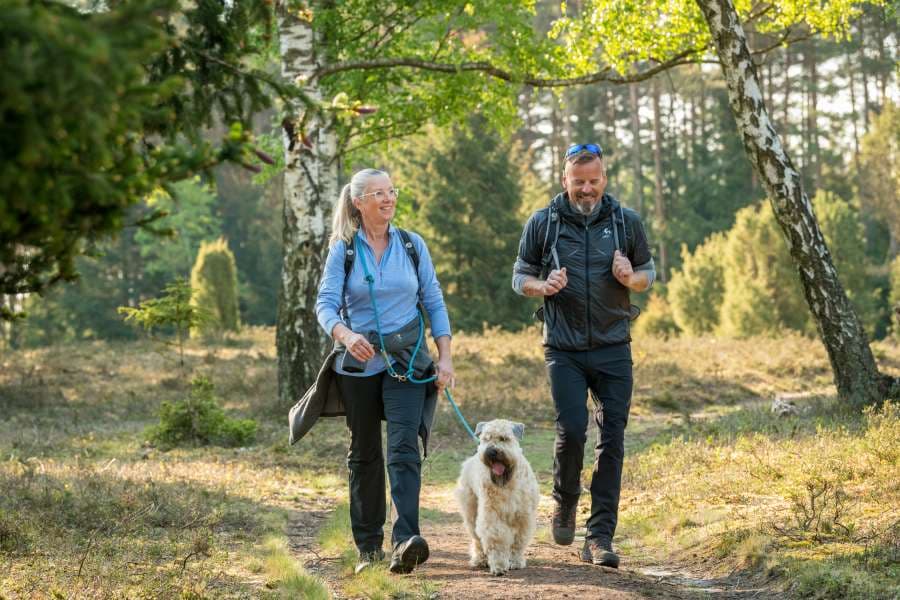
column 696, row 291
column 199, row 420
column 215, row 289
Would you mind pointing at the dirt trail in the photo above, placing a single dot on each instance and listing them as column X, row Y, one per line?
column 552, row 572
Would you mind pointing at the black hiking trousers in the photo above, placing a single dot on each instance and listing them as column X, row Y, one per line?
column 367, row 400
column 607, row 373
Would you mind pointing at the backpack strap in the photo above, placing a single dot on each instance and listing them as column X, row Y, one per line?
column 349, row 257
column 413, row 255
column 547, row 256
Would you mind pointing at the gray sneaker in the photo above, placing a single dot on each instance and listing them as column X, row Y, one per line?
column 367, row 559
column 599, row 552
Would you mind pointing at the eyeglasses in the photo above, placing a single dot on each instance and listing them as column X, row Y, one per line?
column 382, row 194
column 579, row 148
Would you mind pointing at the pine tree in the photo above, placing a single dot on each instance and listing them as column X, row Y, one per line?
column 696, row 291
column 762, row 295
column 214, row 288
column 465, row 192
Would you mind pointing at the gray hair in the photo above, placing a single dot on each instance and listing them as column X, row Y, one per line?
column 346, row 219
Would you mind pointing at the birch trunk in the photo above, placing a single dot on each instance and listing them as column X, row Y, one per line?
column 855, row 373
column 310, row 182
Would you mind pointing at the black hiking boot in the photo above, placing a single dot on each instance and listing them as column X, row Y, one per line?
column 599, row 552
column 407, row 555
column 562, row 525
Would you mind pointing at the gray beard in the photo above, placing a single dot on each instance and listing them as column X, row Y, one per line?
column 586, row 205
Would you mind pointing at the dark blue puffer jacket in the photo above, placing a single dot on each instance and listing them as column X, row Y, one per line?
column 593, row 309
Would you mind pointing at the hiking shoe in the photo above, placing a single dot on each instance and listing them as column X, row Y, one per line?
column 408, row 554
column 562, row 525
column 599, row 552
column 367, row 559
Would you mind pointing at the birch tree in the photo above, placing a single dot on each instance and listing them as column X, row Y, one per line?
column 856, row 375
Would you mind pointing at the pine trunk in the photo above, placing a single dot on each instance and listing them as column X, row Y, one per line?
column 855, row 373
column 659, row 202
column 636, row 146
column 310, row 182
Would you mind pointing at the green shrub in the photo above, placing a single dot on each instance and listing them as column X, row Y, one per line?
column 656, row 318
column 696, row 291
column 199, row 420
column 214, row 288
column 762, row 291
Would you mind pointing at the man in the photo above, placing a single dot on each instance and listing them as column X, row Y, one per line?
column 583, row 254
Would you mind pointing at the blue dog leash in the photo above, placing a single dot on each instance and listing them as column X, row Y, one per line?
column 408, row 376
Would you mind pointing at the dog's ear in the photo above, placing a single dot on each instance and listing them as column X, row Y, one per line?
column 478, row 429
column 518, row 430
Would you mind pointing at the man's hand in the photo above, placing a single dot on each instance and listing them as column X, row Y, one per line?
column 555, row 281
column 622, row 270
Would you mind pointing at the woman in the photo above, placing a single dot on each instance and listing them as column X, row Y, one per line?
column 369, row 389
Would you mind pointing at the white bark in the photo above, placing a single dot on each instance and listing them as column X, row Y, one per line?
column 856, row 375
column 310, row 182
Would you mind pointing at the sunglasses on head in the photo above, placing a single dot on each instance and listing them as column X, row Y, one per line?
column 578, row 148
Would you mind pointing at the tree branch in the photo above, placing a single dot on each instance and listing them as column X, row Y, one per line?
column 605, row 74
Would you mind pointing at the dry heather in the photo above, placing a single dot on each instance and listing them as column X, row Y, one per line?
column 713, row 481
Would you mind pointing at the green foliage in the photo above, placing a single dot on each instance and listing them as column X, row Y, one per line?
column 656, row 318
column 894, row 297
column 173, row 310
column 880, row 168
column 214, row 288
column 465, row 194
column 845, row 235
column 189, row 219
column 200, row 420
column 696, row 291
column 100, row 109
column 762, row 294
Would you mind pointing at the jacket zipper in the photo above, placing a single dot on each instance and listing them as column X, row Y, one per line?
column 587, row 281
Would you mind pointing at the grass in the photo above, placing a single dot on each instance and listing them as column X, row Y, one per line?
column 713, row 481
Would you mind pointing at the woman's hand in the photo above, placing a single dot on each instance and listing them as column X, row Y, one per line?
column 356, row 343
column 445, row 374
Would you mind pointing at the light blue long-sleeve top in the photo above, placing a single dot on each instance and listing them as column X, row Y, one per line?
column 396, row 292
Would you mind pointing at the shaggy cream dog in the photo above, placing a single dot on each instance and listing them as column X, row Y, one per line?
column 498, row 498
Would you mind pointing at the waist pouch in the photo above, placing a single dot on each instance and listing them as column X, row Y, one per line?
column 400, row 344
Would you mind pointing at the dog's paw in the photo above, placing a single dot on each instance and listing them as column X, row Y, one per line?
column 478, row 562
column 517, row 562
column 498, row 572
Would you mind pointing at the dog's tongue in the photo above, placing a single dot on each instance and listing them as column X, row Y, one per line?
column 498, row 468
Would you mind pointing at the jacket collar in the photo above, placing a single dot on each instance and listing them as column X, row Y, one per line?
column 604, row 208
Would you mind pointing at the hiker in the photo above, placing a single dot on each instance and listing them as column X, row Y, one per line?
column 583, row 254
column 364, row 244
